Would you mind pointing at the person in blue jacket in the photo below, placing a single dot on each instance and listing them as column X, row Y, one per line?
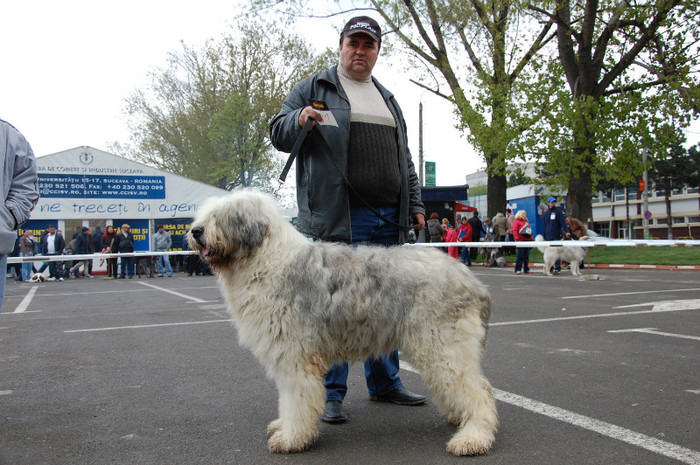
column 555, row 227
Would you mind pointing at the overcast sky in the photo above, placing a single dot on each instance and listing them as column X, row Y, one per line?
column 67, row 68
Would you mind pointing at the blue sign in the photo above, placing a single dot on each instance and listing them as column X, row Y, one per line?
column 139, row 228
column 177, row 229
column 79, row 186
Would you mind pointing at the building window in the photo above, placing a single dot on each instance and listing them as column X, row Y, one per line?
column 632, row 194
column 694, row 219
column 691, row 189
column 619, row 195
column 661, row 221
column 596, row 197
column 678, row 220
column 606, row 197
column 603, row 229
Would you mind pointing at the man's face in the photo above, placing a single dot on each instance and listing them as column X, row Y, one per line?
column 161, row 229
column 52, row 230
column 552, row 204
column 358, row 54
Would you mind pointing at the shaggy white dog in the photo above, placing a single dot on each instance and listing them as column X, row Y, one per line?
column 301, row 306
column 571, row 255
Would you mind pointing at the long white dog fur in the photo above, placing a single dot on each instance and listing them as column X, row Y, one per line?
column 301, row 306
column 571, row 255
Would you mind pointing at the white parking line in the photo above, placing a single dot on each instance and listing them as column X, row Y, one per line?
column 22, row 307
column 160, row 325
column 649, row 443
column 655, row 332
column 587, row 296
column 184, row 296
column 597, row 315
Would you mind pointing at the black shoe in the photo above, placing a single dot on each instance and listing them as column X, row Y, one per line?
column 399, row 396
column 334, row 413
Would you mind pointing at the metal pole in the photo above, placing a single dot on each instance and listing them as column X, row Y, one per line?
column 420, row 145
column 645, row 194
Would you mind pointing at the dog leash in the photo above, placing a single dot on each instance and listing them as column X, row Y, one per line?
column 327, row 149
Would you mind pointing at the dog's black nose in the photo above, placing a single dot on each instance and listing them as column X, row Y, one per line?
column 197, row 231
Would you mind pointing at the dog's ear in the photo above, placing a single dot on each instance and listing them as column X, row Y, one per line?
column 253, row 233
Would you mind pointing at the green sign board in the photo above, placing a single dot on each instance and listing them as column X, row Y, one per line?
column 429, row 173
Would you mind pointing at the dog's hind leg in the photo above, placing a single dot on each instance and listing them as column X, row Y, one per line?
column 452, row 370
column 301, row 400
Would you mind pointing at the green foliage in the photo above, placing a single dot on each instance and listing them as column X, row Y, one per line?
column 627, row 78
column 206, row 113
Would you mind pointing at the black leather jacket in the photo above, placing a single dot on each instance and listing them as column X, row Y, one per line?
column 322, row 196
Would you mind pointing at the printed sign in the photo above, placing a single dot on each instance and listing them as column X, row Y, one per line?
column 77, row 186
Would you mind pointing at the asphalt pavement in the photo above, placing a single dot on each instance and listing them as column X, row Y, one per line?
column 598, row 370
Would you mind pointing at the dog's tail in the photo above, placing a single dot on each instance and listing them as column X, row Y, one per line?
column 540, row 238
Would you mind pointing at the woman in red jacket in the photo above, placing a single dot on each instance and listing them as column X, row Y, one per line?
column 464, row 234
column 522, row 261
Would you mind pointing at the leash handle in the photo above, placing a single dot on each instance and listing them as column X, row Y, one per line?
column 295, row 150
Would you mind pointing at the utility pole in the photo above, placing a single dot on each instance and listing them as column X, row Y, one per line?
column 645, row 194
column 420, row 145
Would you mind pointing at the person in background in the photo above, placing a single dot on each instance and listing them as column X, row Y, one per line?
column 477, row 231
column 52, row 244
column 435, row 231
column 163, row 243
column 452, row 237
column 555, row 227
column 464, row 234
column 370, row 143
column 124, row 243
column 108, row 245
column 20, row 190
column 83, row 246
column 522, row 260
column 27, row 245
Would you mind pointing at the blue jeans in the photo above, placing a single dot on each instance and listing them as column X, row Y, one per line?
column 127, row 266
column 465, row 256
column 522, row 261
column 164, row 259
column 381, row 374
column 3, row 267
column 27, row 266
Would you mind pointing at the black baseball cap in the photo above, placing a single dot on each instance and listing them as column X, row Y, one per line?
column 365, row 25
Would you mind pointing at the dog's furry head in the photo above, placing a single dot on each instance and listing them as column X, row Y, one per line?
column 227, row 229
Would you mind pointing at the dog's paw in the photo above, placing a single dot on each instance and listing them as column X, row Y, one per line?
column 273, row 427
column 282, row 443
column 471, row 440
column 477, row 446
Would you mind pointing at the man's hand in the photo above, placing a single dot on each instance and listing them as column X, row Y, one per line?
column 419, row 221
column 307, row 113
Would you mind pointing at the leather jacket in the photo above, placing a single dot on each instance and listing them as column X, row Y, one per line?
column 322, row 196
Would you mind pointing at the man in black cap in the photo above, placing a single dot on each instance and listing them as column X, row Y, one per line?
column 370, row 151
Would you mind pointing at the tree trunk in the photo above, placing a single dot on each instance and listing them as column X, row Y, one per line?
column 669, row 218
column 578, row 199
column 496, row 191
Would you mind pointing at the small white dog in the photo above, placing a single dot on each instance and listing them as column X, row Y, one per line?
column 571, row 255
column 37, row 278
column 301, row 306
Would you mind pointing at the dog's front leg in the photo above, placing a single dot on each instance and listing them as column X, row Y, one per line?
column 301, row 399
